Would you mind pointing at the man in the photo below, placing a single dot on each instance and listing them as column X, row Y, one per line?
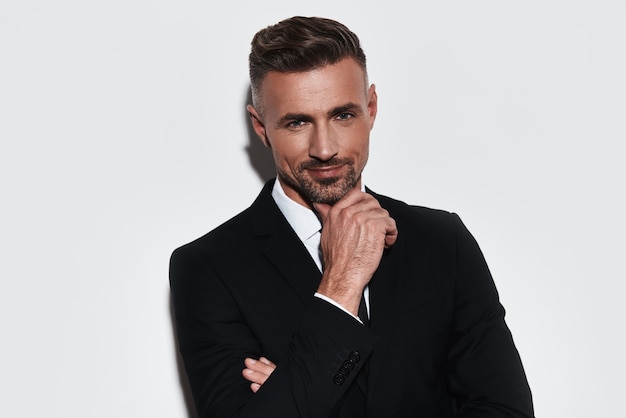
column 389, row 312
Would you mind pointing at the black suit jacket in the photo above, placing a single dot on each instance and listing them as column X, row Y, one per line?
column 437, row 344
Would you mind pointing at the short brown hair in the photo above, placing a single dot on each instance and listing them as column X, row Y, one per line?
column 300, row 44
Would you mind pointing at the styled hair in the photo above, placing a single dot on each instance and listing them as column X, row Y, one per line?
column 300, row 44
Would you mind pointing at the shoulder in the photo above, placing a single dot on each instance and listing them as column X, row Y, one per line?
column 226, row 234
column 238, row 231
column 416, row 215
column 421, row 225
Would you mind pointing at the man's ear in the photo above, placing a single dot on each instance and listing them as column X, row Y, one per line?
column 257, row 125
column 372, row 104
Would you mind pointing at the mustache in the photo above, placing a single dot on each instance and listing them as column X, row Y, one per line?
column 313, row 164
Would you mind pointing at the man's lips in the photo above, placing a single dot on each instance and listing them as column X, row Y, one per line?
column 326, row 172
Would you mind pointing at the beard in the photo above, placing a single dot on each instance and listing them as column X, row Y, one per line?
column 327, row 190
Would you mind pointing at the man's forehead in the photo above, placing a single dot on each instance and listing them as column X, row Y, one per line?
column 318, row 90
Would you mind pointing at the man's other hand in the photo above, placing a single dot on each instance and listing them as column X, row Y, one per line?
column 257, row 371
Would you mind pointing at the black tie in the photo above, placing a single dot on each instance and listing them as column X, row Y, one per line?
column 361, row 378
column 363, row 311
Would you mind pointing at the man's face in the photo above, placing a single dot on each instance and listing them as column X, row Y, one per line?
column 317, row 124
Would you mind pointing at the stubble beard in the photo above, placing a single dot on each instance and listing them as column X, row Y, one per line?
column 328, row 190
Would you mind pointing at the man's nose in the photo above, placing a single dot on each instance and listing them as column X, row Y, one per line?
column 322, row 143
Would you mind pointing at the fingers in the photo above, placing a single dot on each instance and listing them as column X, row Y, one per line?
column 257, row 372
column 353, row 202
column 391, row 234
column 353, row 197
column 361, row 204
column 322, row 209
column 268, row 363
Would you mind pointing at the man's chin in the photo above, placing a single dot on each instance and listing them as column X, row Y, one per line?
column 327, row 190
column 328, row 195
column 326, row 200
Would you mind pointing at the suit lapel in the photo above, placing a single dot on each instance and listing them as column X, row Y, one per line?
column 283, row 247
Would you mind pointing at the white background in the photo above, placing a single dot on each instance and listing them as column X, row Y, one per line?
column 123, row 135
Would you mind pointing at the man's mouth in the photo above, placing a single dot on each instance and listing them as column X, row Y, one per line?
column 326, row 172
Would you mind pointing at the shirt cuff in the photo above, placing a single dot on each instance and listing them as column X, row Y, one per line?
column 332, row 302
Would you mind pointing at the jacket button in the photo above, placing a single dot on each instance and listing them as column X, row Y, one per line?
column 354, row 356
column 348, row 365
column 339, row 379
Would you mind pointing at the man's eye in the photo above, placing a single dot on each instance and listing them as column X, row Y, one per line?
column 344, row 116
column 295, row 124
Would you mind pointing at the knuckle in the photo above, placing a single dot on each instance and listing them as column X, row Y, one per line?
column 361, row 217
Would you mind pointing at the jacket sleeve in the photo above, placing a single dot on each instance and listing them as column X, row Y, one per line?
column 485, row 371
column 214, row 340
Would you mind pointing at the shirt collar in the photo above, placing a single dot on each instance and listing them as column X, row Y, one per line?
column 303, row 220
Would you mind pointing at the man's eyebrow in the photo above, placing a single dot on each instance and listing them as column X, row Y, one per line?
column 288, row 117
column 344, row 108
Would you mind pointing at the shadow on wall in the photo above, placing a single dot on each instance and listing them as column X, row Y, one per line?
column 260, row 157
column 262, row 163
